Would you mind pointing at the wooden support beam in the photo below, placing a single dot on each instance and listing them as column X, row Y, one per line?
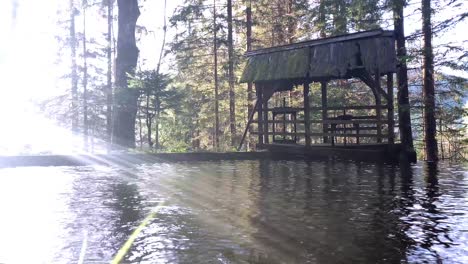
column 378, row 101
column 324, row 109
column 285, row 109
column 332, row 134
column 265, row 98
column 365, row 76
column 249, row 122
column 390, row 112
column 281, row 121
column 306, row 114
column 355, row 107
column 259, row 92
column 339, row 122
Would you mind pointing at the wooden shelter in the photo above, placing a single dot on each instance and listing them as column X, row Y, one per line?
column 366, row 56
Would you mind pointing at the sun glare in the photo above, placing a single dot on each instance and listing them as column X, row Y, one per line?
column 27, row 57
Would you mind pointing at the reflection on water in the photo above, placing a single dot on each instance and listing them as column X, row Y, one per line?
column 237, row 212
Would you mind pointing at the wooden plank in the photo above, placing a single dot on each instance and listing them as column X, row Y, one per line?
column 328, row 134
column 390, row 112
column 373, row 128
column 316, row 42
column 356, row 107
column 258, row 89
column 282, row 121
column 345, row 122
column 248, row 125
column 282, row 110
column 307, row 114
column 283, row 134
column 348, row 135
column 378, row 102
column 266, row 138
column 324, row 108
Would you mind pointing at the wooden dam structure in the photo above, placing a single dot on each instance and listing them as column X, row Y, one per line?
column 364, row 131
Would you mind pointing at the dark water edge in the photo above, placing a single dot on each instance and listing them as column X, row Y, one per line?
column 254, row 211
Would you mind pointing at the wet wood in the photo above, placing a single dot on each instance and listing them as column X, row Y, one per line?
column 378, row 110
column 346, row 121
column 355, row 107
column 329, row 134
column 249, row 122
column 307, row 114
column 258, row 90
column 390, row 110
column 324, row 108
column 266, row 138
column 322, row 41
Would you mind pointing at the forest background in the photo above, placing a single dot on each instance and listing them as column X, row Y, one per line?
column 69, row 56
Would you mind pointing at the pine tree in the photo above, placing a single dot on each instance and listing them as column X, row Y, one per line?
column 428, row 83
column 127, row 56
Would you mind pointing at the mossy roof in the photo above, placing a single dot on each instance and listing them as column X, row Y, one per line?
column 331, row 58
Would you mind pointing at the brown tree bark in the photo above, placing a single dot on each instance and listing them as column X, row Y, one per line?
column 127, row 56
column 232, row 95
column 248, row 12
column 74, row 74
column 404, row 113
column 215, row 55
column 110, row 5
column 322, row 19
column 85, row 85
column 430, row 139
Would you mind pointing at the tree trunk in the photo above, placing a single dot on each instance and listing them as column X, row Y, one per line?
column 232, row 95
column 74, row 74
column 291, row 22
column 127, row 56
column 109, row 72
column 249, row 47
column 430, row 139
column 441, row 139
column 322, row 25
column 85, row 86
column 149, row 119
column 404, row 113
column 215, row 54
column 161, row 52
column 340, row 18
column 140, row 125
column 158, row 115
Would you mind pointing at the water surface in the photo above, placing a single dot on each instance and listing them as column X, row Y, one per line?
column 236, row 212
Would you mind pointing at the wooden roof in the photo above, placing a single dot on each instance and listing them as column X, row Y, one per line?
column 336, row 57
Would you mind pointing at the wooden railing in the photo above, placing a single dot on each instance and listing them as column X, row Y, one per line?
column 333, row 127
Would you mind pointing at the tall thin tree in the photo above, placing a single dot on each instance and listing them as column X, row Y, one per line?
column 430, row 139
column 248, row 13
column 215, row 57
column 127, row 55
column 404, row 113
column 85, row 82
column 74, row 71
column 109, row 93
column 157, row 103
column 232, row 95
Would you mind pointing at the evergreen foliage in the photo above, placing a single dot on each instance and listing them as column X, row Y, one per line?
column 180, row 104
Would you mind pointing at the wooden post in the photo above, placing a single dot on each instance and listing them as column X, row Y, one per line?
column 247, row 127
column 378, row 104
column 273, row 127
column 306, row 114
column 390, row 115
column 324, row 110
column 259, row 92
column 266, row 138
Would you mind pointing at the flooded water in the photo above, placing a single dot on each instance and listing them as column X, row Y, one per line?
column 236, row 212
